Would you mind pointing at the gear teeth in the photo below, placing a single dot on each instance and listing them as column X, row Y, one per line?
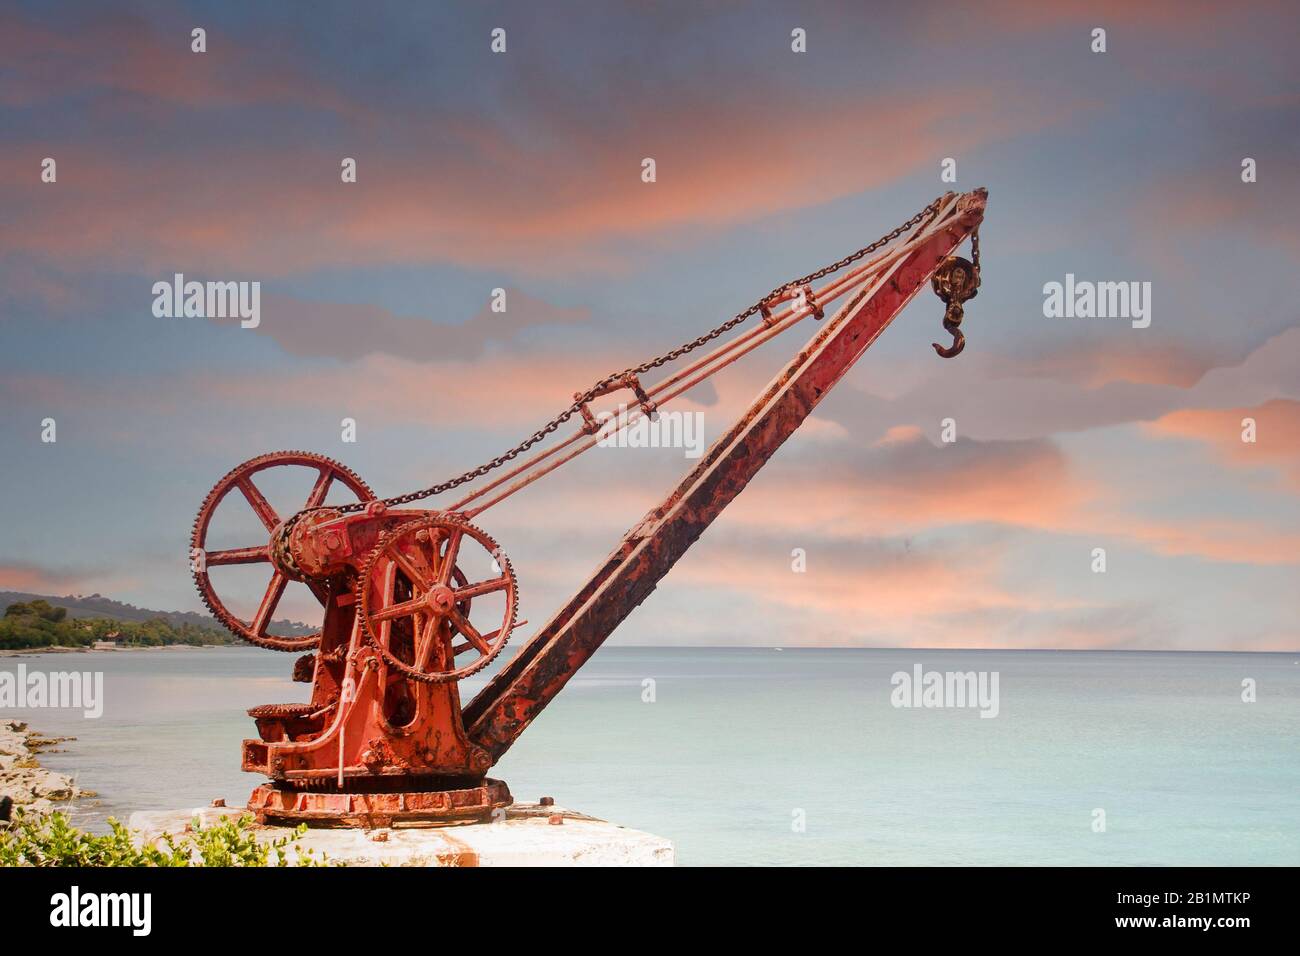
column 202, row 581
column 360, row 591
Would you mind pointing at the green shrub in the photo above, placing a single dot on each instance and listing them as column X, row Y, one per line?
column 52, row 840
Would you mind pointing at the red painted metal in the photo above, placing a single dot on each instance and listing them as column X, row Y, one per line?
column 328, row 473
column 384, row 720
column 384, row 738
column 273, row 804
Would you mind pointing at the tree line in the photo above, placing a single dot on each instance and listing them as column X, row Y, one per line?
column 41, row 624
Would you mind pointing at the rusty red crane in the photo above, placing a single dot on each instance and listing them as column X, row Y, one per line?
column 384, row 738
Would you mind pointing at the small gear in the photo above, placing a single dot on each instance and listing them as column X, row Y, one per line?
column 413, row 599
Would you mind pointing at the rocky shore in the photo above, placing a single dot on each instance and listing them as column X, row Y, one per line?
column 22, row 779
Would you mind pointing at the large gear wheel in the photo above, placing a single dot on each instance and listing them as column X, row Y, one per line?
column 254, row 631
column 413, row 602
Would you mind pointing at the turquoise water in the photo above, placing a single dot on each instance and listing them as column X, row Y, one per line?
column 737, row 741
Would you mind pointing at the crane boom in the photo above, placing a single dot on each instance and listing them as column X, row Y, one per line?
column 518, row 693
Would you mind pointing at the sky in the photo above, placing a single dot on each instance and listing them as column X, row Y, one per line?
column 521, row 170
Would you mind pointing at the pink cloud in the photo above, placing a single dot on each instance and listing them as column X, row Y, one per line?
column 559, row 205
column 881, row 595
column 123, row 53
column 347, row 331
column 911, row 486
column 37, row 579
column 1276, row 432
column 1184, row 18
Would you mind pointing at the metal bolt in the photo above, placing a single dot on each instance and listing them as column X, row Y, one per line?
column 218, row 802
column 547, row 801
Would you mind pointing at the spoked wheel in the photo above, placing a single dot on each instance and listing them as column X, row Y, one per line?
column 414, row 601
column 328, row 472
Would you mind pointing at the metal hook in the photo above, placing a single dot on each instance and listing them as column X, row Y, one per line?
column 955, row 281
column 951, row 324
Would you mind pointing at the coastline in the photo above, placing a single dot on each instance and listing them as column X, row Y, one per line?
column 23, row 780
column 32, row 651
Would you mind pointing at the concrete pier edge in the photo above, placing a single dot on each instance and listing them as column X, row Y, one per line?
column 525, row 836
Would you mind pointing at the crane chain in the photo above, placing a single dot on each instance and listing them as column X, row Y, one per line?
column 600, row 387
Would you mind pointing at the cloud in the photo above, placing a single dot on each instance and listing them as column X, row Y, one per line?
column 1186, row 18
column 888, row 594
column 1277, row 434
column 542, row 187
column 1093, row 365
column 347, row 331
column 115, row 54
column 1218, row 539
column 874, row 582
column 1000, row 398
column 910, row 486
column 501, row 391
column 34, row 578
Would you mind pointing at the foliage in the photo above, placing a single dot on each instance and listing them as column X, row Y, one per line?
column 40, row 624
column 33, row 840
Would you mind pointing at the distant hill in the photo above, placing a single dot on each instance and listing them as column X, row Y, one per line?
column 96, row 605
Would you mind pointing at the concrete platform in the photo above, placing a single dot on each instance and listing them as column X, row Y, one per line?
column 526, row 837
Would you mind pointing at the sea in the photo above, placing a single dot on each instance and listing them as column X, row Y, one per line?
column 761, row 756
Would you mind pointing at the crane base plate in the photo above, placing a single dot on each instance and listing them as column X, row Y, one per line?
column 272, row 804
